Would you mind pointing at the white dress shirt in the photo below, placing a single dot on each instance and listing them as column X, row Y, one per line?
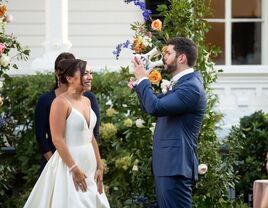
column 180, row 75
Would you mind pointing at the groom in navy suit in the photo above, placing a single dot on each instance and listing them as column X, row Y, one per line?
column 179, row 113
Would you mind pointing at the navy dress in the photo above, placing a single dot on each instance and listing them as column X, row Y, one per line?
column 42, row 129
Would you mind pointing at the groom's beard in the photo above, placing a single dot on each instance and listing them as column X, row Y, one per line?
column 172, row 67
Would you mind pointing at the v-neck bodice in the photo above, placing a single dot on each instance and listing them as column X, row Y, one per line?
column 77, row 131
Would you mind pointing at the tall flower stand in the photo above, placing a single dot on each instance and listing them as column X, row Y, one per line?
column 260, row 194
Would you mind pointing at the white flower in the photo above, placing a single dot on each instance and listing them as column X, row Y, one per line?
column 109, row 102
column 4, row 60
column 165, row 86
column 8, row 18
column 164, row 90
column 147, row 41
column 139, row 123
column 135, row 168
column 152, row 128
column 202, row 169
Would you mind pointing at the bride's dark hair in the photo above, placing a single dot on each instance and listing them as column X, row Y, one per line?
column 68, row 67
column 62, row 56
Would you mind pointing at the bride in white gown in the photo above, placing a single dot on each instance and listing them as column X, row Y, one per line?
column 72, row 178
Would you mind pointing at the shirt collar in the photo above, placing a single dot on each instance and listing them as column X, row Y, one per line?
column 181, row 74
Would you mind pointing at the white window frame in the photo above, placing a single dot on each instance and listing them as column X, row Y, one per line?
column 228, row 20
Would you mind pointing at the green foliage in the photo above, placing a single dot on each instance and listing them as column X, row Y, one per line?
column 20, row 171
column 247, row 144
column 131, row 146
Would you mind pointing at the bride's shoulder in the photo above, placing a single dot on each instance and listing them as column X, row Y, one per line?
column 60, row 101
column 86, row 100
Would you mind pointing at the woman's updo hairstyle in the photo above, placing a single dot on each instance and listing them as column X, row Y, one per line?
column 67, row 68
column 62, row 56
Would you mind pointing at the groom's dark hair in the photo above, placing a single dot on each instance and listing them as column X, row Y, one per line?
column 185, row 46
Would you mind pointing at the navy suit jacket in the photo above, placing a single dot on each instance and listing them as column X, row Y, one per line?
column 179, row 113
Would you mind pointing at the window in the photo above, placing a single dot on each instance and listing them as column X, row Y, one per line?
column 239, row 28
column 236, row 28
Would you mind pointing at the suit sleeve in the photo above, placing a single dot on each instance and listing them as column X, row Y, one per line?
column 182, row 100
column 141, row 104
column 41, row 124
column 95, row 108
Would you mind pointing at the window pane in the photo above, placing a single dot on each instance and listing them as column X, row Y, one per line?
column 246, row 8
column 216, row 37
column 217, row 7
column 246, row 43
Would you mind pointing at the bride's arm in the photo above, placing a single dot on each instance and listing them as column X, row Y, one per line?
column 100, row 169
column 57, row 120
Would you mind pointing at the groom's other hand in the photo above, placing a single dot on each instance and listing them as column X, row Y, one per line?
column 131, row 83
column 139, row 70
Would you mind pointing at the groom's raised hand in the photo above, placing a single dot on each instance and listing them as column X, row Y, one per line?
column 139, row 69
column 131, row 83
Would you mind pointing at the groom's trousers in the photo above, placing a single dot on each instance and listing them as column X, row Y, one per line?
column 173, row 191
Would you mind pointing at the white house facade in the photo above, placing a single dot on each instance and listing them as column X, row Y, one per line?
column 92, row 28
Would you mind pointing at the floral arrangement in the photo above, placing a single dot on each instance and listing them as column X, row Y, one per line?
column 10, row 48
column 146, row 38
column 9, row 43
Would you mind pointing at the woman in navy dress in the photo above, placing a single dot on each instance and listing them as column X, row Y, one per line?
column 42, row 111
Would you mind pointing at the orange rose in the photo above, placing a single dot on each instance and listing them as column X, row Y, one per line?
column 155, row 77
column 138, row 45
column 3, row 10
column 156, row 25
column 164, row 50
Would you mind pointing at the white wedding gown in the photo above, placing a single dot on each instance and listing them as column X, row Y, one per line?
column 55, row 187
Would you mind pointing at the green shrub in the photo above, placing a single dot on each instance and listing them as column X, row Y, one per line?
column 247, row 144
column 127, row 152
column 20, row 96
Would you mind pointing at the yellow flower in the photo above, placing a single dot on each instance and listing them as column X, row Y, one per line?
column 110, row 112
column 155, row 77
column 128, row 122
column 1, row 102
column 3, row 10
column 123, row 162
column 156, row 25
column 138, row 45
column 104, row 163
column 107, row 130
column 164, row 50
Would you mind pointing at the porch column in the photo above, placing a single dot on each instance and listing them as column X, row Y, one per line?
column 56, row 34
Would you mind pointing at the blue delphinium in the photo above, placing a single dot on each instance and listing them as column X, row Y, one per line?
column 2, row 122
column 145, row 12
column 119, row 47
column 146, row 15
